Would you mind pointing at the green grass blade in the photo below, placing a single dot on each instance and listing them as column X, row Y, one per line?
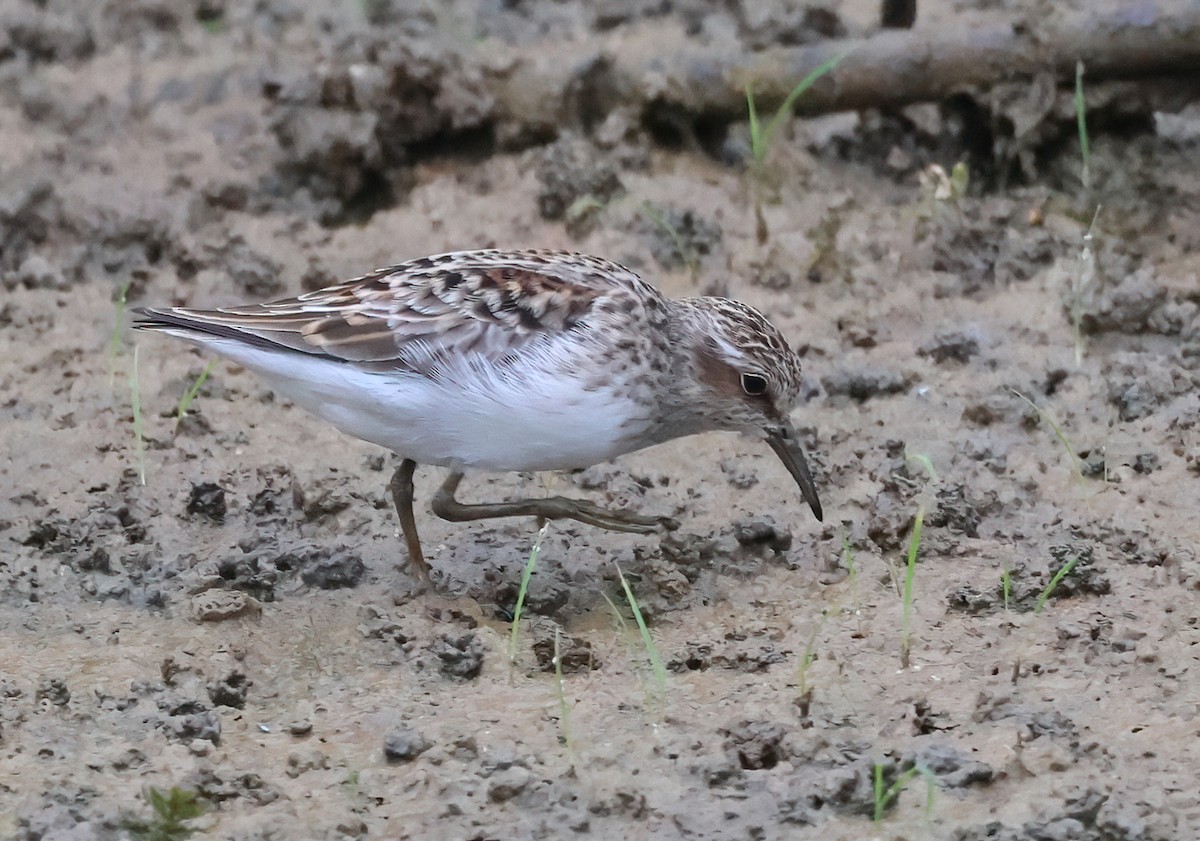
column 686, row 254
column 1082, row 282
column 910, row 574
column 785, row 110
column 1054, row 582
column 806, row 660
column 925, row 462
column 656, row 663
column 848, row 560
column 1081, row 119
column 564, row 711
column 884, row 797
column 877, row 792
column 757, row 149
column 526, row 574
column 1046, row 417
column 616, row 612
column 193, row 391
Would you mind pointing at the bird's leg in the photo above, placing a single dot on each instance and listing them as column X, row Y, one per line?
column 401, row 487
column 551, row 508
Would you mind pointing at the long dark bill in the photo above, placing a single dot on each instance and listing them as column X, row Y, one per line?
column 783, row 442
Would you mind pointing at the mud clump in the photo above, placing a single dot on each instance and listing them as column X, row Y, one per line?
column 574, row 653
column 679, row 238
column 757, row 744
column 459, row 656
column 950, row 347
column 570, row 170
column 264, row 565
column 862, row 385
column 230, row 691
column 404, row 745
column 207, row 500
column 347, row 128
column 338, row 570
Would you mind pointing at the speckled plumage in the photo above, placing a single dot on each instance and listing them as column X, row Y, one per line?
column 512, row 360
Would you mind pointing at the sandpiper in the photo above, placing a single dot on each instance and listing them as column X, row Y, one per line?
column 510, row 361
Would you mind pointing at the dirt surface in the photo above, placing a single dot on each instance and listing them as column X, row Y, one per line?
column 236, row 628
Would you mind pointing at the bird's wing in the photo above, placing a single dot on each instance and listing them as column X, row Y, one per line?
column 485, row 303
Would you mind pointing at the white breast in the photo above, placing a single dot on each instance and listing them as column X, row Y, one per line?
column 471, row 418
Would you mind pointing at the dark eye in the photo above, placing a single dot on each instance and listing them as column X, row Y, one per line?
column 754, row 384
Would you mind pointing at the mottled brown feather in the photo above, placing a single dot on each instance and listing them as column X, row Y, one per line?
column 490, row 303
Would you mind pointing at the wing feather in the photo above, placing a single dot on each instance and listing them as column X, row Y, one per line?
column 489, row 303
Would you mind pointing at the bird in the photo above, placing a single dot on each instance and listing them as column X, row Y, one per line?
column 512, row 360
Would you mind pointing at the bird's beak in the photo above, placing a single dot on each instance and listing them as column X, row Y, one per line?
column 783, row 442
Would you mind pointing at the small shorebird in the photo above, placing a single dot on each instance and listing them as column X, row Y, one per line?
column 510, row 361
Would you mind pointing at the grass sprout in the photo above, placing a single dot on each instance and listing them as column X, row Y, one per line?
column 526, row 574
column 135, row 402
column 923, row 460
column 910, row 574
column 1045, row 416
column 170, row 810
column 806, row 661
column 656, row 664
column 1081, row 282
column 848, row 561
column 193, row 391
column 616, row 612
column 1085, row 151
column 564, row 710
column 884, row 797
column 686, row 253
column 761, row 135
column 1006, row 586
column 1054, row 582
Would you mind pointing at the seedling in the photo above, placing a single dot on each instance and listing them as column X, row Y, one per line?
column 1040, row 605
column 1006, row 586
column 564, row 711
column 1081, row 121
column 761, row 136
column 910, row 573
column 353, row 777
column 656, row 663
column 686, row 253
column 848, row 561
column 193, row 391
column 923, row 460
column 1081, row 283
column 910, row 567
column 170, row 811
column 884, row 797
column 806, row 661
column 526, row 574
column 135, row 402
column 1045, row 416
column 1054, row 582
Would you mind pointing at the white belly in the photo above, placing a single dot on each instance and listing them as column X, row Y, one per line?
column 476, row 420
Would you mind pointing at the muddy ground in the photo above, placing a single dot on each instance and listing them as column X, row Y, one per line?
column 235, row 626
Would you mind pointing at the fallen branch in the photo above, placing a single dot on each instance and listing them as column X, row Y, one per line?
column 548, row 89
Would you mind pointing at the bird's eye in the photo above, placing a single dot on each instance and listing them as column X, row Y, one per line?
column 754, row 384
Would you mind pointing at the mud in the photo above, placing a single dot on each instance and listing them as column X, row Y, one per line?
column 239, row 624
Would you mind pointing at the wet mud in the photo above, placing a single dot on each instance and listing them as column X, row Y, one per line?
column 222, row 608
